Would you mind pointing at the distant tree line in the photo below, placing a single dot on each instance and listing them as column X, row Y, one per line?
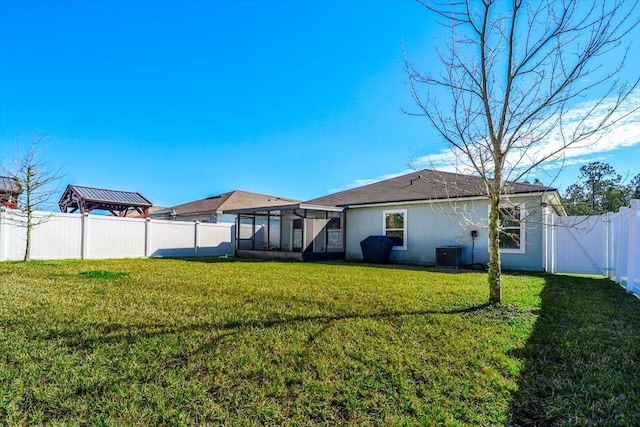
column 600, row 189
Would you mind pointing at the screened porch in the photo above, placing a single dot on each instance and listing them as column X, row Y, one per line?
column 297, row 232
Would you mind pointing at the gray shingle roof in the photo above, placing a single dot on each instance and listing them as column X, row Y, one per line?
column 420, row 185
column 9, row 185
column 232, row 200
column 115, row 197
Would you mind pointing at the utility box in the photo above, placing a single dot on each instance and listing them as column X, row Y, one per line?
column 449, row 256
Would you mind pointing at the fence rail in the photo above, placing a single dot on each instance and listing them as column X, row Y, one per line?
column 73, row 236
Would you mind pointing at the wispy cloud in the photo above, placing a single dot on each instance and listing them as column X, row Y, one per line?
column 366, row 181
column 625, row 133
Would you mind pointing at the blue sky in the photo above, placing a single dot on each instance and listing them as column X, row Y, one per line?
column 183, row 100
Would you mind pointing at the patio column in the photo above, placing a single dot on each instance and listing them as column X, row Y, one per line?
column 326, row 231
column 237, row 242
column 268, row 230
column 253, row 232
column 303, row 249
column 343, row 218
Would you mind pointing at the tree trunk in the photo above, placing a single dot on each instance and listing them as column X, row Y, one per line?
column 29, row 209
column 495, row 273
column 27, row 249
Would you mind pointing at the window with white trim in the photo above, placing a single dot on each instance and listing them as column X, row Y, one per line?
column 512, row 229
column 394, row 226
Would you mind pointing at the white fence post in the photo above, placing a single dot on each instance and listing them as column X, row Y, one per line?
column 633, row 249
column 546, row 227
column 147, row 237
column 622, row 245
column 3, row 235
column 607, row 242
column 614, row 225
column 553, row 243
column 196, row 226
column 84, row 247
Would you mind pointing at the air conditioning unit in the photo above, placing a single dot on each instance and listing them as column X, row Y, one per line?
column 449, row 256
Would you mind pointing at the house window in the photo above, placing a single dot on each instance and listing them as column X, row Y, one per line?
column 334, row 232
column 512, row 230
column 394, row 226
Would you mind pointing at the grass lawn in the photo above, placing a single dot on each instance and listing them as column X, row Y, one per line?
column 179, row 342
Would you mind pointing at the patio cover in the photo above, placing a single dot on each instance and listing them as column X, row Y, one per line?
column 277, row 210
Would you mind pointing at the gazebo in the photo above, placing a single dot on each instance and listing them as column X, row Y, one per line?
column 87, row 199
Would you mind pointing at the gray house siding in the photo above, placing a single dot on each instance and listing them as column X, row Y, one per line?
column 533, row 258
column 434, row 224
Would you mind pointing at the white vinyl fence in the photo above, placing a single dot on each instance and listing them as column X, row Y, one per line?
column 62, row 236
column 607, row 245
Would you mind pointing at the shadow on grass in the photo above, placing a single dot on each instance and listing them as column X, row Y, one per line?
column 202, row 259
column 399, row 266
column 217, row 333
column 337, row 263
column 115, row 333
column 581, row 362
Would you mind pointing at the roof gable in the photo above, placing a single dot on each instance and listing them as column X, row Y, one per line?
column 426, row 184
column 110, row 196
column 236, row 199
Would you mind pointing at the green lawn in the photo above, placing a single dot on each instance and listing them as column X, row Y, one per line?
column 179, row 342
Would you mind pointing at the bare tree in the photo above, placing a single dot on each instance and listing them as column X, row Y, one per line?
column 513, row 75
column 38, row 182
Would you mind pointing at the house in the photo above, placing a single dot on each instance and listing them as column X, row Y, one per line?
column 152, row 209
column 420, row 211
column 212, row 210
column 87, row 199
column 10, row 189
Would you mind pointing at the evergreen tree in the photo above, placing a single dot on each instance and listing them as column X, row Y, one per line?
column 599, row 190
